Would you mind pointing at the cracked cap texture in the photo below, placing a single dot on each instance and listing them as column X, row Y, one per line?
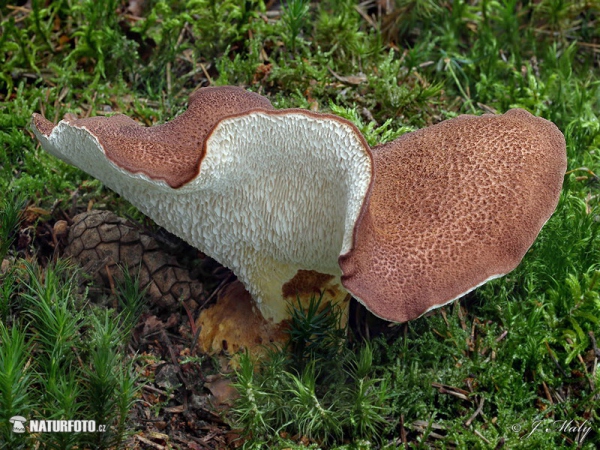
column 451, row 207
column 171, row 152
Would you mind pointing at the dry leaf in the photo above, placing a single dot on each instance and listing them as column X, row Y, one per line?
column 350, row 79
column 223, row 391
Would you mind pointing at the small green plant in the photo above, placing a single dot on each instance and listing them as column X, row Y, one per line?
column 67, row 363
column 316, row 332
column 253, row 410
column 131, row 299
column 99, row 39
column 11, row 212
column 109, row 394
column 16, row 380
column 318, row 388
column 294, row 17
column 369, row 396
column 314, row 415
column 7, row 291
column 373, row 134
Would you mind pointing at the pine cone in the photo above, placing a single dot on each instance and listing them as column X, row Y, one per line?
column 105, row 244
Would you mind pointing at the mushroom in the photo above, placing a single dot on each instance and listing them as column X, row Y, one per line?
column 273, row 195
column 296, row 203
column 452, row 206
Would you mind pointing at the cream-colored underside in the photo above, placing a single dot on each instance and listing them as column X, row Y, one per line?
column 275, row 194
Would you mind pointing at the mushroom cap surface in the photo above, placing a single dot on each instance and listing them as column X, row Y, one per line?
column 451, row 207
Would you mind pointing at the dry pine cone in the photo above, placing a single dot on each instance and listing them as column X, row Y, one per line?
column 104, row 244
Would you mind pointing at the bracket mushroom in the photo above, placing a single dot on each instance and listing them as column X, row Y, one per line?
column 296, row 202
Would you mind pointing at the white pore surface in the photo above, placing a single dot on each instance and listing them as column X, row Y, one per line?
column 276, row 193
column 493, row 277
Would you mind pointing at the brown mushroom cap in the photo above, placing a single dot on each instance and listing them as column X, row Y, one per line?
column 451, row 207
column 173, row 151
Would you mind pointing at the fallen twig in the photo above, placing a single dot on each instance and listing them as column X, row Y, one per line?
column 150, row 443
column 482, row 437
column 476, row 413
column 460, row 393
